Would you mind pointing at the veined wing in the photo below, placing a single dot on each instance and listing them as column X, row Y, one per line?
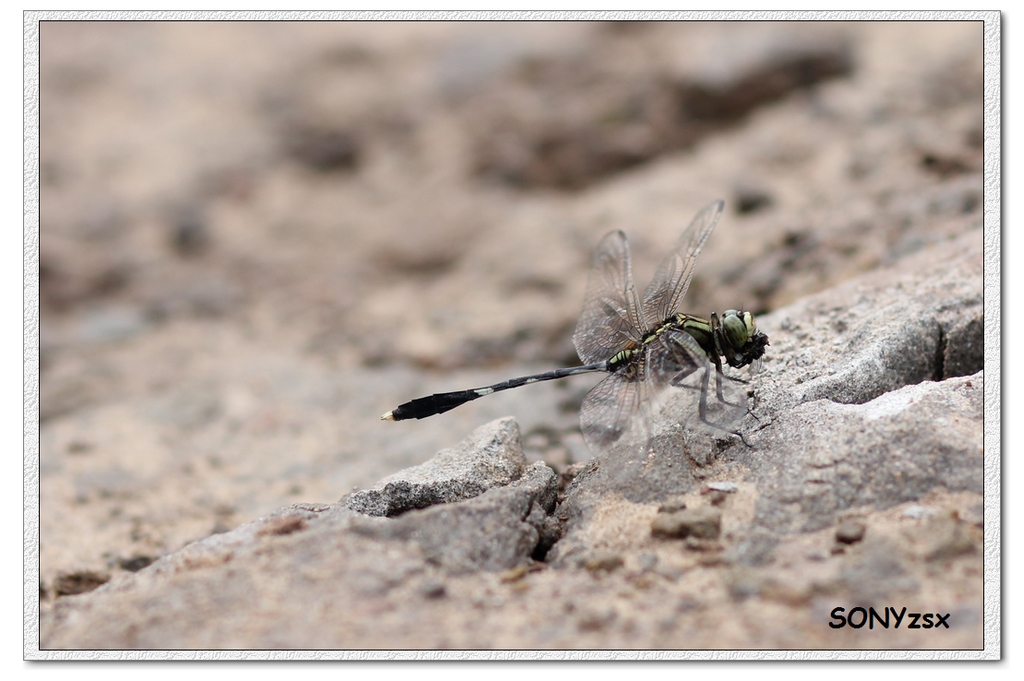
column 617, row 412
column 621, row 412
column 611, row 315
column 666, row 290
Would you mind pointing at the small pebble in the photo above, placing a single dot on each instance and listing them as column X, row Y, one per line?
column 850, row 531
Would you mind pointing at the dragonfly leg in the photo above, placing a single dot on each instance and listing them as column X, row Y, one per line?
column 719, row 377
column 677, row 382
column 703, row 405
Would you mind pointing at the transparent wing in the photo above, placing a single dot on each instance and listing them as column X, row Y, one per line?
column 617, row 412
column 666, row 290
column 611, row 309
column 674, row 377
column 672, row 357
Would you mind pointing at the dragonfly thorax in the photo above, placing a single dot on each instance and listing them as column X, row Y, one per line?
column 733, row 336
column 700, row 329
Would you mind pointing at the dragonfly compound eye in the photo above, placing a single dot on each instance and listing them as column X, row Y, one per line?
column 738, row 327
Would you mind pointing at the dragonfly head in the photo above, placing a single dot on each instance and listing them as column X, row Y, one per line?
column 738, row 338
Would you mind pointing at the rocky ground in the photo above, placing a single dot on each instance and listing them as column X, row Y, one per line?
column 256, row 238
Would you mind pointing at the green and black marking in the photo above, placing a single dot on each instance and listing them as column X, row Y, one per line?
column 643, row 344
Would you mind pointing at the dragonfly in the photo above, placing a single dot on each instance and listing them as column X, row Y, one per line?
column 648, row 349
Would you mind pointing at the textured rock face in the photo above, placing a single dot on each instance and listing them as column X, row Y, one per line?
column 492, row 457
column 836, row 503
column 227, row 307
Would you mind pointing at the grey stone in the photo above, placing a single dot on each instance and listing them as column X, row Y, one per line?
column 853, row 410
column 490, row 532
column 703, row 523
column 300, row 555
column 823, row 457
column 850, row 531
column 603, row 561
column 491, row 456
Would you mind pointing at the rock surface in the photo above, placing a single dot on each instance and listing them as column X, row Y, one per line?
column 644, row 532
column 492, row 456
column 255, row 238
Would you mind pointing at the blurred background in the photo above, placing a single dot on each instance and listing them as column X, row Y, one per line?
column 257, row 237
